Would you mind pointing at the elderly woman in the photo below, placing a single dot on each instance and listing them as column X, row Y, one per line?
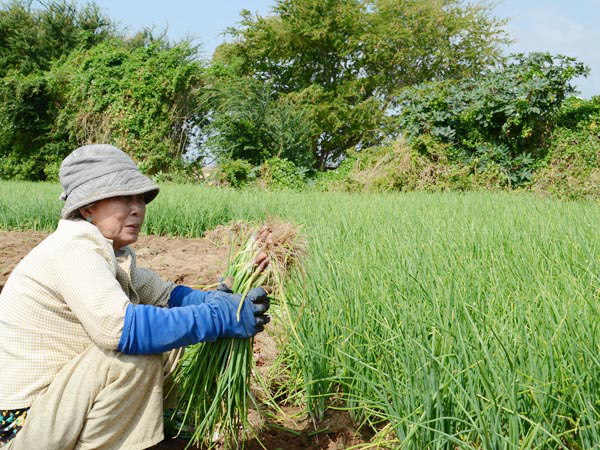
column 82, row 328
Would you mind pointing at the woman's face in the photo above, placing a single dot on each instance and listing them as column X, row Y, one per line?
column 118, row 218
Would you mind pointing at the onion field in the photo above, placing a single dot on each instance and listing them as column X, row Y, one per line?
column 441, row 320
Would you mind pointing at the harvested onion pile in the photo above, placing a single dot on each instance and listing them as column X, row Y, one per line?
column 214, row 377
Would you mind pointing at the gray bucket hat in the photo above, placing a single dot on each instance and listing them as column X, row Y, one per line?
column 99, row 171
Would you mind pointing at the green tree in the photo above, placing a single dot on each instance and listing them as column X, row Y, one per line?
column 143, row 99
column 32, row 40
column 67, row 78
column 345, row 61
column 251, row 122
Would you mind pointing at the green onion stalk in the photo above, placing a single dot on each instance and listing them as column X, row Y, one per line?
column 213, row 378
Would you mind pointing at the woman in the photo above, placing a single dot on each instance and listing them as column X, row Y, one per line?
column 82, row 328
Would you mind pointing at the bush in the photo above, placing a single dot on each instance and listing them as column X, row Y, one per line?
column 335, row 179
column 33, row 42
column 572, row 168
column 502, row 119
column 234, row 172
column 580, row 113
column 398, row 166
column 32, row 38
column 143, row 100
column 68, row 79
column 251, row 121
column 279, row 173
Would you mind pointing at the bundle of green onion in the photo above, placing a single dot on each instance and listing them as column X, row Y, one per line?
column 213, row 378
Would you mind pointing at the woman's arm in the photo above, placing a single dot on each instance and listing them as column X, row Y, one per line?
column 148, row 329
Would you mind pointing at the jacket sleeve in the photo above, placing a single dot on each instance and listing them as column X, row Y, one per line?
column 151, row 288
column 184, row 296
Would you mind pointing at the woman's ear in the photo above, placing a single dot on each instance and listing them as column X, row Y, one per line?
column 86, row 213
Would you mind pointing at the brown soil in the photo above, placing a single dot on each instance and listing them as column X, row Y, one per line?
column 198, row 263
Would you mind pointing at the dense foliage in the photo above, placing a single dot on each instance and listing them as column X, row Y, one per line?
column 31, row 41
column 393, row 94
column 251, row 122
column 343, row 62
column 501, row 119
column 571, row 168
column 517, row 126
column 68, row 78
column 143, row 99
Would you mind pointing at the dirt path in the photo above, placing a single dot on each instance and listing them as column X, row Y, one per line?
column 197, row 263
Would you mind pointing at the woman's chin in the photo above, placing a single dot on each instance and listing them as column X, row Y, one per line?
column 132, row 239
column 125, row 240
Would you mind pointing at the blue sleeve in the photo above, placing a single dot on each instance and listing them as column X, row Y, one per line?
column 185, row 296
column 149, row 329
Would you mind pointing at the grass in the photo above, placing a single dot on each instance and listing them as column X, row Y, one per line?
column 439, row 320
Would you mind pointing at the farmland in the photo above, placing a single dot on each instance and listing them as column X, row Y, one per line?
column 437, row 320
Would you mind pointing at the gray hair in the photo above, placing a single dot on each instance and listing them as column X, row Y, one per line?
column 76, row 214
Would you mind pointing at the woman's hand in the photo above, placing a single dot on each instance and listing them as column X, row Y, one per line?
column 259, row 302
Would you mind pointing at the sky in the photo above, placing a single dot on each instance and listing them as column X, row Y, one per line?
column 568, row 27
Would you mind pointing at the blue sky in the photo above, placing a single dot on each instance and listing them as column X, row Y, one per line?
column 558, row 26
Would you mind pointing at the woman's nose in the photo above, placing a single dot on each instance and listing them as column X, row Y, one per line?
column 138, row 206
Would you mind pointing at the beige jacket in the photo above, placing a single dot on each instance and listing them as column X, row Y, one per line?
column 69, row 291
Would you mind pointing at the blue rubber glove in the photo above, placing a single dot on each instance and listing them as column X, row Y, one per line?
column 150, row 329
column 259, row 302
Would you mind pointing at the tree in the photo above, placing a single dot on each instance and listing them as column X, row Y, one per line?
column 345, row 61
column 144, row 99
column 31, row 41
column 251, row 122
column 67, row 78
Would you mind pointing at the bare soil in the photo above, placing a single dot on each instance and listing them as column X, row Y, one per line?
column 199, row 263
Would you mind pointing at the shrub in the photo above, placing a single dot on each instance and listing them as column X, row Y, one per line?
column 251, row 121
column 334, row 179
column 143, row 99
column 580, row 113
column 502, row 119
column 398, row 166
column 234, row 172
column 572, row 167
column 279, row 173
column 34, row 39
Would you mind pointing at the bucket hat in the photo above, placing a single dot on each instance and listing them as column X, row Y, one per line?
column 98, row 171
